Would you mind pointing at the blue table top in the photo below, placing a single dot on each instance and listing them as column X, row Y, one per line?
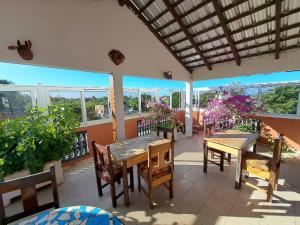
column 83, row 215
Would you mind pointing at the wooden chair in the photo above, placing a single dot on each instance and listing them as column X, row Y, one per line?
column 208, row 131
column 265, row 167
column 165, row 135
column 27, row 185
column 109, row 170
column 157, row 170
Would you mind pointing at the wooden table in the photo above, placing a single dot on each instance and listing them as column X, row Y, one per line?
column 230, row 141
column 132, row 152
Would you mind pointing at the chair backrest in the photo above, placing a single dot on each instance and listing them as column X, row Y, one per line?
column 209, row 129
column 103, row 160
column 160, row 156
column 27, row 185
column 277, row 152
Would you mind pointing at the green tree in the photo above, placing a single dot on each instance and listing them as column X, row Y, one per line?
column 283, row 100
column 146, row 100
column 176, row 100
column 13, row 103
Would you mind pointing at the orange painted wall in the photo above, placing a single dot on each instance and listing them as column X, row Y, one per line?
column 101, row 133
column 131, row 128
column 290, row 128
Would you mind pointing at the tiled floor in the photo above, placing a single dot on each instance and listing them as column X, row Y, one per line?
column 203, row 199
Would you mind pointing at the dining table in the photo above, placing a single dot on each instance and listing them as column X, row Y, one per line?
column 74, row 215
column 231, row 141
column 132, row 152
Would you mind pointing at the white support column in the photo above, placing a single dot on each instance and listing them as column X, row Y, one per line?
column 171, row 98
column 140, row 102
column 157, row 95
column 43, row 98
column 189, row 109
column 117, row 105
column 182, row 100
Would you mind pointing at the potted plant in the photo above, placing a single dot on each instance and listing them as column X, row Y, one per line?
column 33, row 143
column 164, row 116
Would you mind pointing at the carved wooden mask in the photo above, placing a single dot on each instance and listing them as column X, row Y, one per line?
column 116, row 56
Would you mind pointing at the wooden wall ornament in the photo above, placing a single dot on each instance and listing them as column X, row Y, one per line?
column 116, row 56
column 168, row 75
column 23, row 50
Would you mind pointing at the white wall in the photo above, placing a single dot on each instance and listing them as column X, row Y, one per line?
column 78, row 34
column 288, row 60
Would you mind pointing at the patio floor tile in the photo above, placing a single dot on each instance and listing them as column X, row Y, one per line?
column 199, row 199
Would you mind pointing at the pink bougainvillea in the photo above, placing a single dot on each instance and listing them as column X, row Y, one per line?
column 230, row 109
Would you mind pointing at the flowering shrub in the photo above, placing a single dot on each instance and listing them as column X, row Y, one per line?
column 230, row 109
column 161, row 111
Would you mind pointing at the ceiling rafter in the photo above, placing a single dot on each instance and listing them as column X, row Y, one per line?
column 150, row 27
column 226, row 32
column 295, row 36
column 277, row 27
column 187, row 33
column 262, row 22
column 184, row 15
column 146, row 6
column 252, row 11
column 164, row 12
column 213, row 48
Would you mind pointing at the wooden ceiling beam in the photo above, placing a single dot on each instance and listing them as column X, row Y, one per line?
column 146, row 6
column 165, row 25
column 194, row 9
column 277, row 27
column 185, row 30
column 255, row 54
column 219, row 12
column 296, row 10
column 151, row 28
column 172, row 34
column 252, row 11
column 189, row 55
column 201, row 20
column 165, row 11
column 235, row 4
column 295, row 36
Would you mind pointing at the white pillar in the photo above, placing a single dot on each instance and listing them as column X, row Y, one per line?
column 116, row 83
column 189, row 109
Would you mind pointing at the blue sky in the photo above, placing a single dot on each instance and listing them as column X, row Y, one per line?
column 28, row 75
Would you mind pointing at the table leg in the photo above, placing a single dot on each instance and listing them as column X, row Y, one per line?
column 125, row 184
column 205, row 157
column 238, row 172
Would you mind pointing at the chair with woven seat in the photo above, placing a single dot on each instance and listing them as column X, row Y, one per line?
column 265, row 167
column 27, row 185
column 108, row 169
column 157, row 170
